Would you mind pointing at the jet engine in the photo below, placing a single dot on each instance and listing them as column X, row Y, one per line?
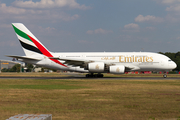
column 96, row 67
column 120, row 69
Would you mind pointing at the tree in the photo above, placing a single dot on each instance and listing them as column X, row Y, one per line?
column 29, row 67
column 15, row 68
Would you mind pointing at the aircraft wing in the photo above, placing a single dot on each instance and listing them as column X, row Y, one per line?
column 23, row 57
column 74, row 62
column 83, row 62
column 131, row 67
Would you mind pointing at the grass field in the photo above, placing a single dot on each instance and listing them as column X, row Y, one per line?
column 91, row 99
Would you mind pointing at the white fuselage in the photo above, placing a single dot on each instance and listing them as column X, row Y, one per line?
column 135, row 61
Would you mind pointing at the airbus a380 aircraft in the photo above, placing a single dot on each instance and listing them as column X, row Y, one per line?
column 89, row 62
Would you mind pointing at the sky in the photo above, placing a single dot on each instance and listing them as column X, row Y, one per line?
column 93, row 25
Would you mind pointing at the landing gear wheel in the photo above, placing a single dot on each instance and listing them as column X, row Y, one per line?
column 87, row 75
column 90, row 75
column 101, row 75
column 94, row 76
column 165, row 76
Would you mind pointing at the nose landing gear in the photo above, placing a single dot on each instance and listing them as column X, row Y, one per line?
column 165, row 75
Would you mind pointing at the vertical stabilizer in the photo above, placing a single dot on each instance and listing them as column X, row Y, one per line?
column 30, row 44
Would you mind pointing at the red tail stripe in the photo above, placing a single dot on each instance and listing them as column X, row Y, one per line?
column 45, row 51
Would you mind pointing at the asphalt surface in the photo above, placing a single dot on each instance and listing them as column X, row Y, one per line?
column 108, row 78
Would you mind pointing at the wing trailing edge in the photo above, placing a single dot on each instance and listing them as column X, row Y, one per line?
column 23, row 57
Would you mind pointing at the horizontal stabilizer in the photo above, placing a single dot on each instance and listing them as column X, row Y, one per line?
column 23, row 57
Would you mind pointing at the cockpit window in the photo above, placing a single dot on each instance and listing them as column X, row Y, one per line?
column 169, row 60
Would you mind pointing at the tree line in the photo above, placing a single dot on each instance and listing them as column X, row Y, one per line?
column 18, row 68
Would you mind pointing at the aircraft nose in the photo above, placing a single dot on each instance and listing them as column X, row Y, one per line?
column 173, row 65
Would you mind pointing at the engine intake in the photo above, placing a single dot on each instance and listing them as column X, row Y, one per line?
column 96, row 67
column 120, row 69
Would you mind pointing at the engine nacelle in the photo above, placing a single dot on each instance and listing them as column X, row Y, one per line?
column 120, row 69
column 96, row 67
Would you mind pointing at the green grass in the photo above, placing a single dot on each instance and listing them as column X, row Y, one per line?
column 88, row 99
column 45, row 87
column 32, row 74
column 38, row 84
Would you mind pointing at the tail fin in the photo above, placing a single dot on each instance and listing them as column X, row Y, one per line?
column 30, row 44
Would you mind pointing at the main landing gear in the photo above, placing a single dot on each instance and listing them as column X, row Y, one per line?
column 94, row 75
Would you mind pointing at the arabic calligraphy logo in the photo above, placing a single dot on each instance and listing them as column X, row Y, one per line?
column 118, row 70
column 97, row 66
column 108, row 58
